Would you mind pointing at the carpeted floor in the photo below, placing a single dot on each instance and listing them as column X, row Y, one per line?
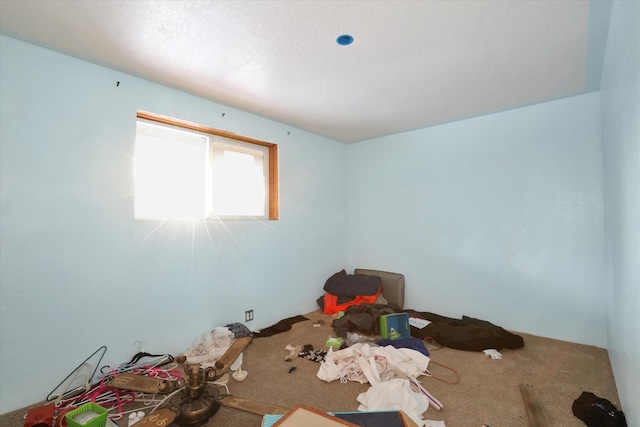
column 488, row 392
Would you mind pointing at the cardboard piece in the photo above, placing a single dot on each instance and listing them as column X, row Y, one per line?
column 307, row 416
column 407, row 421
column 392, row 285
column 360, row 419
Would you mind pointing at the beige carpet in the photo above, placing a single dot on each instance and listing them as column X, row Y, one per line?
column 488, row 392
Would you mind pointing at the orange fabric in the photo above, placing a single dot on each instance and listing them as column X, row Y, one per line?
column 331, row 302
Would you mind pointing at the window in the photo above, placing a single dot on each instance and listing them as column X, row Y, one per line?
column 185, row 170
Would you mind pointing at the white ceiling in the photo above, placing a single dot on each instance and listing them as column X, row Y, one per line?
column 412, row 64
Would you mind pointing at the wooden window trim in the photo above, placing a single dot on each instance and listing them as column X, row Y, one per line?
column 274, row 209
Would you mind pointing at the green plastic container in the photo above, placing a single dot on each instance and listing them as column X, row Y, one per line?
column 99, row 421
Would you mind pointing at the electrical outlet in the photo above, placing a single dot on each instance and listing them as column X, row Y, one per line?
column 248, row 315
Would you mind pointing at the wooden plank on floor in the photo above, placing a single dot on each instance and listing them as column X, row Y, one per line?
column 162, row 417
column 227, row 359
column 537, row 414
column 252, row 406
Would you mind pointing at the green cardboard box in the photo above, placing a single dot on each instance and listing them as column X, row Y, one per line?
column 395, row 326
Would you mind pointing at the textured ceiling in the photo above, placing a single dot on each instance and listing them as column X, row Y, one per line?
column 412, row 64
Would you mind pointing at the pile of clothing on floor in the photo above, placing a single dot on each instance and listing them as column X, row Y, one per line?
column 468, row 333
column 347, row 290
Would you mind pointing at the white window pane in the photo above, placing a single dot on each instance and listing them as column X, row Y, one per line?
column 182, row 173
column 170, row 173
column 239, row 184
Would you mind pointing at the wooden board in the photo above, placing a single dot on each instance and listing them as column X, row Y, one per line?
column 162, row 417
column 232, row 353
column 537, row 414
column 252, row 406
column 141, row 383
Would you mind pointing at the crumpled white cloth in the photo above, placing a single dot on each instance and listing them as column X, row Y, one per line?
column 395, row 394
column 384, row 368
column 209, row 348
column 365, row 363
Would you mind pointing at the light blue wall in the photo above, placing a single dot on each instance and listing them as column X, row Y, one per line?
column 78, row 272
column 620, row 94
column 498, row 217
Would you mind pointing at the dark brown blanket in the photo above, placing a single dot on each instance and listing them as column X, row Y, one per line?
column 281, row 326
